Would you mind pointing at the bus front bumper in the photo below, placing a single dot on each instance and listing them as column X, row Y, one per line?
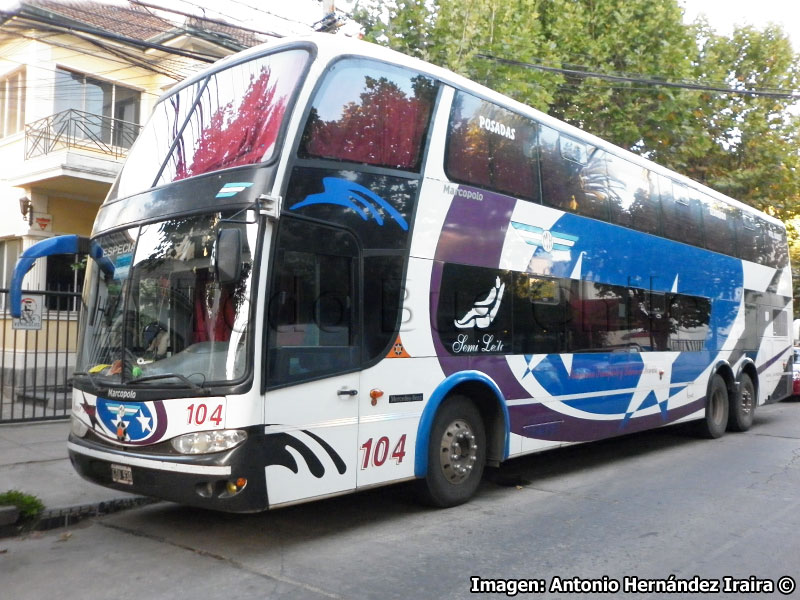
column 222, row 482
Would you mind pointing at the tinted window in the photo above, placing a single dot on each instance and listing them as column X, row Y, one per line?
column 682, row 214
column 688, row 322
column 383, row 301
column 372, row 113
column 597, row 311
column 777, row 248
column 629, row 199
column 749, row 237
column 237, row 118
column 236, row 121
column 475, row 308
column 609, row 317
column 544, row 315
column 718, row 226
column 573, row 175
column 313, row 308
column 780, row 323
column 540, row 315
column 378, row 208
column 491, row 147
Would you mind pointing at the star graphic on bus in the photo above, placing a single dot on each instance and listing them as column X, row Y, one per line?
column 144, row 421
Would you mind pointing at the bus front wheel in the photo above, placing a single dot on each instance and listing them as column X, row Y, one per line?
column 715, row 420
column 456, row 454
column 743, row 406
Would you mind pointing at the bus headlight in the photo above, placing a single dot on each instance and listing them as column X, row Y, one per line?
column 205, row 442
column 79, row 428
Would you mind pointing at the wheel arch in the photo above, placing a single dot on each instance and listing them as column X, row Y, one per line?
column 748, row 367
column 724, row 370
column 491, row 404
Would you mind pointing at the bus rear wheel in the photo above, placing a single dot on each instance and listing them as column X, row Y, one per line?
column 456, row 454
column 743, row 406
column 716, row 414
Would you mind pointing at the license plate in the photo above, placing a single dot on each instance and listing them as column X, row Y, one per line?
column 121, row 474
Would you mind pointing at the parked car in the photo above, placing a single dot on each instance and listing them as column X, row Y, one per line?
column 796, row 373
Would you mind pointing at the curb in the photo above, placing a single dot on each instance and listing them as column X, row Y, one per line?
column 56, row 518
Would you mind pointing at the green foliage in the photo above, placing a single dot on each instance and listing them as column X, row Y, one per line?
column 754, row 140
column 745, row 146
column 29, row 506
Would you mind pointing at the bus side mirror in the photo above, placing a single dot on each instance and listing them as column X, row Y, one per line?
column 62, row 244
column 228, row 256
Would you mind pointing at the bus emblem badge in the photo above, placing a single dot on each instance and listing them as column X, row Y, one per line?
column 547, row 241
column 128, row 422
column 538, row 237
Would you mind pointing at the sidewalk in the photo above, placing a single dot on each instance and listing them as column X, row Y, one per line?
column 34, row 460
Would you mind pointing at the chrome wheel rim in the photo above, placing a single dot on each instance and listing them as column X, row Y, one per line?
column 458, row 451
column 747, row 402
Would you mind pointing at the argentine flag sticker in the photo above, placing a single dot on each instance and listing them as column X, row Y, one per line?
column 231, row 189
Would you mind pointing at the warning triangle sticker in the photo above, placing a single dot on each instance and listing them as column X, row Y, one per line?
column 397, row 350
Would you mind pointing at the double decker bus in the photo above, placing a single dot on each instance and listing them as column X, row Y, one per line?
column 326, row 266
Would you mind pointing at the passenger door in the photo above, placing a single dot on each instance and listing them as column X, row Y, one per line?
column 313, row 358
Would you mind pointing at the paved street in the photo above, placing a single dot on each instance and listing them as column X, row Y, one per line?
column 644, row 506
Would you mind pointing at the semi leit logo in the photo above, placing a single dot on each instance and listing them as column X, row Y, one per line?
column 483, row 312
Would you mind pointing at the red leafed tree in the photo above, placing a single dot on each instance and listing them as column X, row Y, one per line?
column 239, row 132
column 384, row 128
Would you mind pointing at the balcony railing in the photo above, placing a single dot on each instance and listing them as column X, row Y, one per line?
column 76, row 129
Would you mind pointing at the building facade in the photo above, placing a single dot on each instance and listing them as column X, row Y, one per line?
column 77, row 80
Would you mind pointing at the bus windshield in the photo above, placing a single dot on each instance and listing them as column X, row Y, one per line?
column 231, row 118
column 157, row 311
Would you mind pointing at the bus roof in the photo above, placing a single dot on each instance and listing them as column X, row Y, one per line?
column 329, row 47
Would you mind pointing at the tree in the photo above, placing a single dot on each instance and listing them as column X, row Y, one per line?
column 752, row 141
column 744, row 145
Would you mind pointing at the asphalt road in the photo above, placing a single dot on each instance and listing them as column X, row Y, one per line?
column 629, row 512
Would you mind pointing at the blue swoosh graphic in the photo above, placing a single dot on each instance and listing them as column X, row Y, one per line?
column 363, row 201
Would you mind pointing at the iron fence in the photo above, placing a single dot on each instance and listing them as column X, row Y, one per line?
column 36, row 364
column 77, row 129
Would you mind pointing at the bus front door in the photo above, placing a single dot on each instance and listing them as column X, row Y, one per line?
column 313, row 452
column 314, row 354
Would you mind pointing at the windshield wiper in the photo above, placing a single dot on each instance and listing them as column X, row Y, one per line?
column 88, row 375
column 158, row 376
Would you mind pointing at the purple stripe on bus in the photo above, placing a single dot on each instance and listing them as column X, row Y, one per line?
column 538, row 421
column 473, row 233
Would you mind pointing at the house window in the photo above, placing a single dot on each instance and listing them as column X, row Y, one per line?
column 12, row 103
column 102, row 111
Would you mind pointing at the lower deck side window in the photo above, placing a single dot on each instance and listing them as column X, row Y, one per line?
column 488, row 310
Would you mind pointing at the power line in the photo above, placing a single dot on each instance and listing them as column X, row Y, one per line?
column 155, row 66
column 787, row 94
column 271, row 14
column 54, row 25
column 207, row 19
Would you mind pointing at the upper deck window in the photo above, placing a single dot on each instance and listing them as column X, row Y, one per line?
column 232, row 118
column 492, row 147
column 371, row 113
